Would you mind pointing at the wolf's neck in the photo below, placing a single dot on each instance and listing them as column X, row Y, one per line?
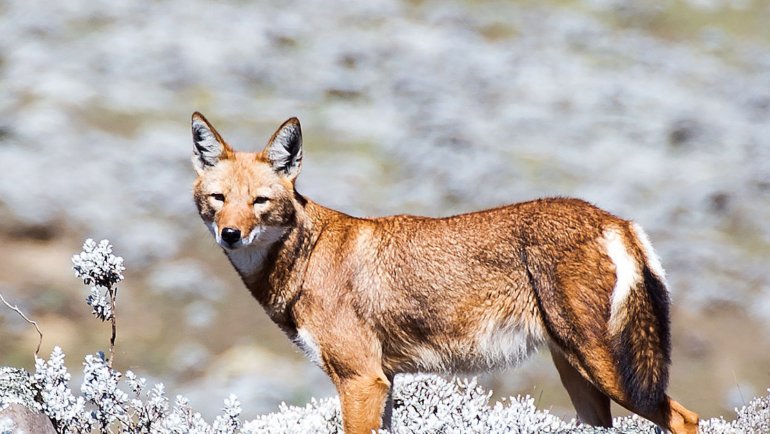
column 274, row 272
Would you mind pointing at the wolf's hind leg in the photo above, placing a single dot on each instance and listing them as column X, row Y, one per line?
column 592, row 406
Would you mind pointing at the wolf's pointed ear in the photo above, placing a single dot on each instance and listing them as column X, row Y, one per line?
column 284, row 150
column 208, row 145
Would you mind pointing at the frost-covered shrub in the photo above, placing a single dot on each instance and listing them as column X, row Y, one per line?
column 101, row 270
column 752, row 418
column 66, row 411
column 17, row 387
column 229, row 422
column 321, row 416
column 100, row 388
column 106, row 407
column 96, row 264
column 426, row 403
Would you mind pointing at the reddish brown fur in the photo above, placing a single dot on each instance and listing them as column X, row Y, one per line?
column 376, row 297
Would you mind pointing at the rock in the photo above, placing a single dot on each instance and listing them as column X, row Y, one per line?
column 18, row 419
column 19, row 411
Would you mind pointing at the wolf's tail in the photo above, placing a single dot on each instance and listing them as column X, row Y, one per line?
column 611, row 321
column 640, row 331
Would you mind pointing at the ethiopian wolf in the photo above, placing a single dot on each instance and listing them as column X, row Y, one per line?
column 368, row 298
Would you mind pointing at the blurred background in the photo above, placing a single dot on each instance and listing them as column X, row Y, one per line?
column 657, row 111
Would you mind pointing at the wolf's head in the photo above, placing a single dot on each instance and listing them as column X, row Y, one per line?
column 246, row 199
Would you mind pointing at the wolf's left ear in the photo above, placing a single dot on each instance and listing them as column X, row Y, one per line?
column 284, row 150
column 208, row 145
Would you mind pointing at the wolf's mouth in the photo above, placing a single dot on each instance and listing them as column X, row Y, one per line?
column 259, row 236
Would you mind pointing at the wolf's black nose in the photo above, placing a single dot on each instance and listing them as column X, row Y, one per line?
column 230, row 235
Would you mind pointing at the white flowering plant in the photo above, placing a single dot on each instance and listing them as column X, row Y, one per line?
column 102, row 270
column 111, row 401
column 99, row 268
column 114, row 402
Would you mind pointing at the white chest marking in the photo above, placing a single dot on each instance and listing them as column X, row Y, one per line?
column 309, row 346
column 626, row 275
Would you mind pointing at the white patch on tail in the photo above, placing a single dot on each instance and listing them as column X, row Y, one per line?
column 508, row 343
column 627, row 276
column 309, row 346
column 653, row 261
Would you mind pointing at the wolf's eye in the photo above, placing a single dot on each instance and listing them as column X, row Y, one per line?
column 261, row 199
column 218, row 197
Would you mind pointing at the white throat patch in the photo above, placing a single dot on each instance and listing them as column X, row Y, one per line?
column 248, row 254
column 248, row 260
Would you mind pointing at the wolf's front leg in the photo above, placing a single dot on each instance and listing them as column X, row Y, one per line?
column 362, row 398
column 387, row 414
